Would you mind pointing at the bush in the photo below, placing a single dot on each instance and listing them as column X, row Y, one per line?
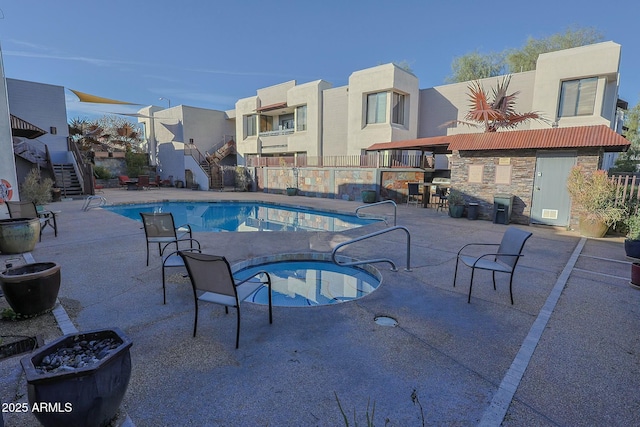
column 35, row 189
column 101, row 172
column 594, row 195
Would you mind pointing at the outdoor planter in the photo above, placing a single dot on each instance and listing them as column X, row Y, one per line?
column 635, row 275
column 592, row 227
column 291, row 191
column 456, row 211
column 89, row 382
column 369, row 196
column 18, row 235
column 632, row 248
column 31, row 289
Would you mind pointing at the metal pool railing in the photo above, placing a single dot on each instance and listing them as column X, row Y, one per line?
column 391, row 202
column 372, row 261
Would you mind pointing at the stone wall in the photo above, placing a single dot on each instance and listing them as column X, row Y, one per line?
column 338, row 183
column 523, row 165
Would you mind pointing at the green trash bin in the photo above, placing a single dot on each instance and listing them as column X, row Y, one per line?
column 502, row 208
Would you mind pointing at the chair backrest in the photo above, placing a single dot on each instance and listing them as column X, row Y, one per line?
column 209, row 273
column 122, row 179
column 143, row 180
column 22, row 209
column 442, row 192
column 512, row 242
column 414, row 188
column 158, row 224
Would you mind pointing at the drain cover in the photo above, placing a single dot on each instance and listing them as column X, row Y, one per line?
column 386, row 321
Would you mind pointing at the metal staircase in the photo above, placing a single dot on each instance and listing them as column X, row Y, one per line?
column 67, row 179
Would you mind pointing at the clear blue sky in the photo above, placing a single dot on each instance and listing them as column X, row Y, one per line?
column 211, row 53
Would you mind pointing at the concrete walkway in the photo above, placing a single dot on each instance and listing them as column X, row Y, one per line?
column 566, row 353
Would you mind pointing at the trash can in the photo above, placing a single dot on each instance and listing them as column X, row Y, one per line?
column 472, row 211
column 502, row 208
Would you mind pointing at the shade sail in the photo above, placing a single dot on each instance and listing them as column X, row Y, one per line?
column 85, row 97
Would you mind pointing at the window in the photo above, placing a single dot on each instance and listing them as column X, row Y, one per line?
column 286, row 121
column 249, row 124
column 376, row 107
column 578, row 97
column 266, row 123
column 301, row 118
column 397, row 108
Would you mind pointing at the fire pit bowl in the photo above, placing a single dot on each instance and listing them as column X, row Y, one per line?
column 79, row 379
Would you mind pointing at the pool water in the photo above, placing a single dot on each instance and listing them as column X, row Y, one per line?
column 238, row 216
column 310, row 283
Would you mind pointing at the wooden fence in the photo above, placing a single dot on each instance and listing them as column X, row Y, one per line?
column 627, row 188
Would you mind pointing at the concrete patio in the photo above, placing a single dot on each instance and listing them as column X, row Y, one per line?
column 567, row 353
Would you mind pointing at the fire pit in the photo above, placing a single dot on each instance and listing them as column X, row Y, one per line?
column 80, row 378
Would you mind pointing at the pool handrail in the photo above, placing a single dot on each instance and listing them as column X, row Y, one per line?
column 395, row 211
column 372, row 261
column 89, row 202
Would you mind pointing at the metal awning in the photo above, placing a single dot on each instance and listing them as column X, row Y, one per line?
column 271, row 107
column 24, row 129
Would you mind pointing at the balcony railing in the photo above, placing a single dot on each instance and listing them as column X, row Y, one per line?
column 276, row 132
column 373, row 160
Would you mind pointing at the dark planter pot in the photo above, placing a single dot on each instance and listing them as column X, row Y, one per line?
column 592, row 228
column 632, row 248
column 19, row 235
column 369, row 196
column 456, row 211
column 291, row 191
column 635, row 275
column 31, row 288
column 89, row 396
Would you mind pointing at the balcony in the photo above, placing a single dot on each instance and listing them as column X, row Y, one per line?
column 276, row 132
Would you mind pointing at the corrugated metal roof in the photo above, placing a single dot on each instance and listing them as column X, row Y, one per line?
column 24, row 129
column 570, row 137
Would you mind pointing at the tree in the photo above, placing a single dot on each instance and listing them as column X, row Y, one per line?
column 525, row 58
column 496, row 112
column 107, row 132
column 475, row 66
column 628, row 161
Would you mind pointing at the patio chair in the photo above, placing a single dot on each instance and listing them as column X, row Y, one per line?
column 504, row 260
column 160, row 228
column 27, row 209
column 212, row 281
column 443, row 197
column 143, row 182
column 174, row 260
column 123, row 180
column 414, row 195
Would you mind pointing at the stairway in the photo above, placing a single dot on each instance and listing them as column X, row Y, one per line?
column 67, row 180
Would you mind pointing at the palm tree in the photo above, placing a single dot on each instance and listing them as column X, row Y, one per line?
column 496, row 113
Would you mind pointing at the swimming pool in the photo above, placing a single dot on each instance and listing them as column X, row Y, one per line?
column 308, row 279
column 242, row 216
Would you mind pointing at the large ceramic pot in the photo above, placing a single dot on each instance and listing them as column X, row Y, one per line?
column 592, row 228
column 31, row 289
column 635, row 275
column 456, row 211
column 632, row 248
column 291, row 191
column 18, row 235
column 369, row 196
column 86, row 395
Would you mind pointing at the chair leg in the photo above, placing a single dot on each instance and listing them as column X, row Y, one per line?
column 164, row 293
column 238, row 328
column 455, row 273
column 195, row 321
column 511, row 287
column 493, row 276
column 147, row 254
column 470, row 285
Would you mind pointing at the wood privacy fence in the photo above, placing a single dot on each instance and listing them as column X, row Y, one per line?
column 627, row 188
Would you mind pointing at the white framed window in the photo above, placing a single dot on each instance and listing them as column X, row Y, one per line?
column 301, row 118
column 578, row 97
column 397, row 108
column 377, row 107
column 249, row 125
